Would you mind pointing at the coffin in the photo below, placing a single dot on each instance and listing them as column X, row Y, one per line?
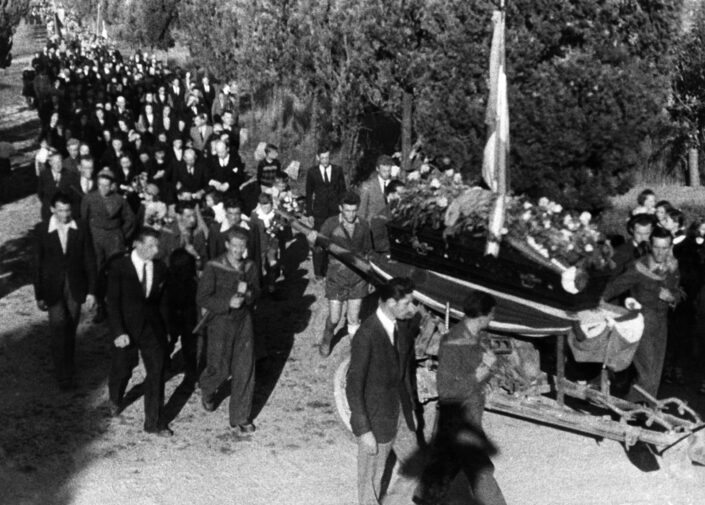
column 512, row 272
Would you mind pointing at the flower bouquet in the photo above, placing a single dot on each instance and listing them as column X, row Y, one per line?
column 443, row 216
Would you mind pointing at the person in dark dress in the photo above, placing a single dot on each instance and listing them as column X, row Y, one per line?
column 464, row 366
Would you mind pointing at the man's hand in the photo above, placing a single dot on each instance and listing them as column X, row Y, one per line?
column 311, row 237
column 369, row 443
column 90, row 301
column 41, row 305
column 666, row 295
column 236, row 301
column 122, row 341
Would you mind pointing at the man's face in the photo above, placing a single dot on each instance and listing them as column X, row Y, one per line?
column 178, row 144
column 486, row 320
column 228, row 118
column 86, row 169
column 147, row 248
column 73, row 150
column 84, row 150
column 384, row 172
column 221, row 150
column 188, row 218
column 670, row 224
column 189, row 157
column 125, row 163
column 349, row 212
column 272, row 154
column 105, row 186
column 236, row 247
column 62, row 212
column 233, row 215
column 120, row 102
column 660, row 249
column 100, row 114
column 324, row 159
column 642, row 233
column 117, row 144
column 55, row 163
column 403, row 308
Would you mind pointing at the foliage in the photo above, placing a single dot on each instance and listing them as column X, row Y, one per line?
column 150, row 23
column 11, row 13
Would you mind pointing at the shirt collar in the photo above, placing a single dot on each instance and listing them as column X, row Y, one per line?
column 54, row 224
column 387, row 323
column 137, row 261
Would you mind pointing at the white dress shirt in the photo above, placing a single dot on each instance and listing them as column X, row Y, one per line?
column 325, row 173
column 389, row 324
column 62, row 229
column 139, row 266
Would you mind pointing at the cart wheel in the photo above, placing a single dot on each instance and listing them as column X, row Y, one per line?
column 341, row 401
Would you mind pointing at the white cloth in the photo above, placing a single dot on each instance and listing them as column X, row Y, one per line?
column 266, row 218
column 139, row 266
column 62, row 230
column 388, row 324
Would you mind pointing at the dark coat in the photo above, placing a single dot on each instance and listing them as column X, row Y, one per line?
column 190, row 183
column 322, row 199
column 47, row 188
column 128, row 309
column 53, row 266
column 379, row 380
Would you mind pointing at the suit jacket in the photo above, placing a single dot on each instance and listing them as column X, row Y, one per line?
column 53, row 267
column 128, row 309
column 379, row 380
column 109, row 213
column 372, row 201
column 200, row 142
column 47, row 188
column 322, row 199
column 190, row 183
column 233, row 173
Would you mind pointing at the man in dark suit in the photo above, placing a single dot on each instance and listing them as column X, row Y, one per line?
column 65, row 275
column 136, row 301
column 380, row 392
column 190, row 177
column 325, row 187
column 225, row 173
column 55, row 179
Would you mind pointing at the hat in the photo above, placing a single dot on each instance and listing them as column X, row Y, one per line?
column 107, row 174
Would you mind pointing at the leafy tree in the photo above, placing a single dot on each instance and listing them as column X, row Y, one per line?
column 11, row 13
column 149, row 23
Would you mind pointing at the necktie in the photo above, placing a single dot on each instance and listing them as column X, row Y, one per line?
column 395, row 335
column 144, row 279
column 326, row 179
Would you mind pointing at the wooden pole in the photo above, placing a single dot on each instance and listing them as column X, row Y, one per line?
column 560, row 369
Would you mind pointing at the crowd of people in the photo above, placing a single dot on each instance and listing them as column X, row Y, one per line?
column 149, row 213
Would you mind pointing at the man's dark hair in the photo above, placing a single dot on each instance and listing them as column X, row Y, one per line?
column 182, row 205
column 60, row 197
column 676, row 215
column 350, row 198
column 232, row 203
column 478, row 304
column 384, row 160
column 397, row 288
column 644, row 195
column 270, row 147
column 640, row 220
column 665, row 204
column 264, row 198
column 661, row 233
column 393, row 186
column 86, row 158
column 237, row 231
column 323, row 147
column 145, row 233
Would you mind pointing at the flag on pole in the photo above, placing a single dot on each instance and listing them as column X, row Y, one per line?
column 104, row 33
column 58, row 25
column 494, row 162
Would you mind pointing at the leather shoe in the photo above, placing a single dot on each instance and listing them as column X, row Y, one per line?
column 208, row 404
column 114, row 409
column 247, row 428
column 162, row 432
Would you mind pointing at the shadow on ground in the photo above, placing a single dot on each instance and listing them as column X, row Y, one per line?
column 45, row 431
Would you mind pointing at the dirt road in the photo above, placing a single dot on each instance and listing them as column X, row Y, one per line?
column 59, row 448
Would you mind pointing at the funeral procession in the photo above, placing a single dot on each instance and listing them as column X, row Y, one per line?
column 352, row 252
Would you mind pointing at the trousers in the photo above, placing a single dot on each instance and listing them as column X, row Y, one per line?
column 650, row 354
column 153, row 352
column 63, row 321
column 370, row 468
column 230, row 353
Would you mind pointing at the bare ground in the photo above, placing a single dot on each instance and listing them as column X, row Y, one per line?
column 60, row 448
